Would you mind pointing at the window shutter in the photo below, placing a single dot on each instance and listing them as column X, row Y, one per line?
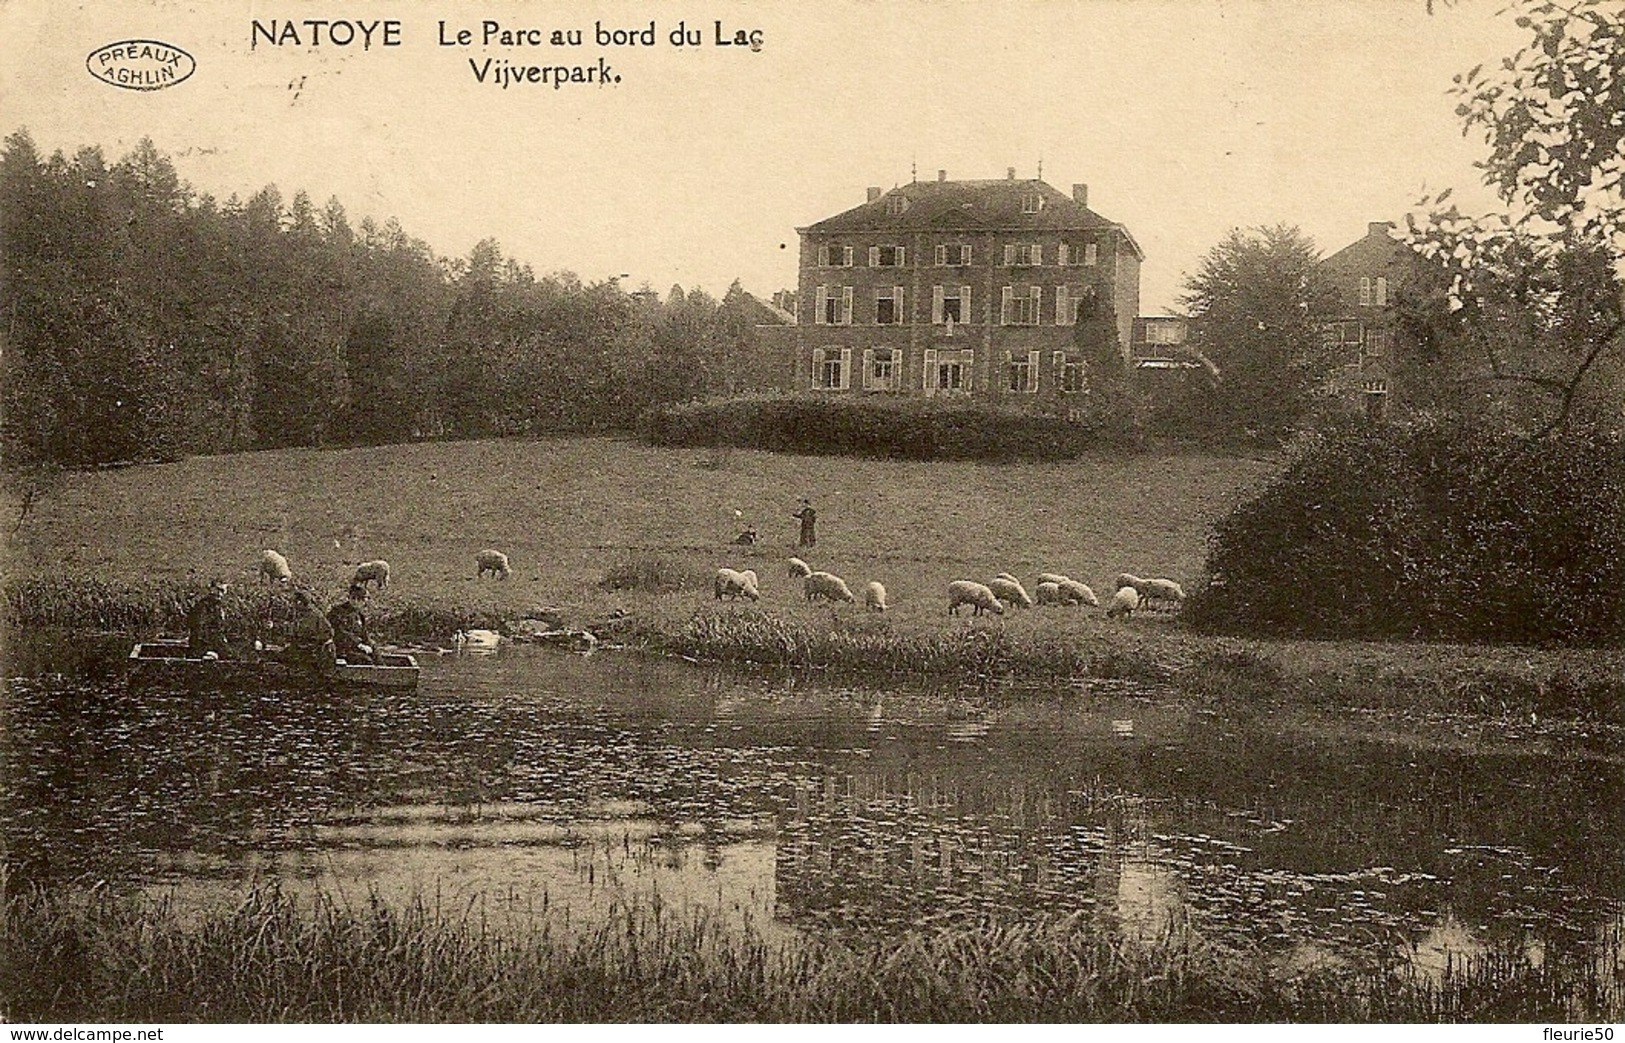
column 1091, row 253
column 823, row 256
column 1382, row 290
column 1038, row 302
column 1365, row 290
column 868, row 367
column 1032, row 372
column 1038, row 253
column 821, row 316
column 846, row 256
column 929, row 380
column 964, row 305
column 942, row 256
column 818, row 368
column 874, row 257
column 846, row 306
column 936, row 305
column 1004, row 307
column 1060, row 305
column 1009, row 254
column 1057, row 361
column 968, row 368
column 846, row 368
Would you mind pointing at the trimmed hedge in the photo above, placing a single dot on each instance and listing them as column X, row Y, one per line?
column 897, row 428
column 1441, row 531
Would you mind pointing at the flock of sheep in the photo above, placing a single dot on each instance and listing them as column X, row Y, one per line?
column 1052, row 588
column 274, row 568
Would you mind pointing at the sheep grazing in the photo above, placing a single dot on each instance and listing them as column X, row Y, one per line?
column 1048, row 592
column 1124, row 602
column 1161, row 590
column 828, row 586
column 735, row 585
column 1051, row 577
column 493, row 561
column 799, row 569
column 977, row 595
column 1127, row 579
column 874, row 596
column 1074, row 593
column 1008, row 589
column 274, row 568
column 374, row 572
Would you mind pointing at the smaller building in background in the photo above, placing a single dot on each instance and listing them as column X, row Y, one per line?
column 1158, row 342
column 1361, row 331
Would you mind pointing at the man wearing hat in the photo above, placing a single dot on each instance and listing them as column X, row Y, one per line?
column 350, row 638
column 310, row 641
column 808, row 518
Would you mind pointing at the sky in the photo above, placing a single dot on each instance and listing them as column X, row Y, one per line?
column 1185, row 119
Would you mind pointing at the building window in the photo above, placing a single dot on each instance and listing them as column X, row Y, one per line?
column 950, row 304
column 1365, row 292
column 886, row 257
column 1069, row 374
column 896, row 205
column 953, row 254
column 947, row 372
column 1032, row 203
column 1382, row 291
column 835, row 256
column 1069, row 301
column 880, row 369
column 1334, row 334
column 1023, row 254
column 834, row 306
column 1377, row 342
column 889, row 305
column 1076, row 254
column 1022, row 371
column 1020, row 306
column 831, row 368
column 1164, row 333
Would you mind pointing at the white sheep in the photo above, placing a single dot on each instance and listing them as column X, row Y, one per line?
column 1051, row 577
column 826, row 585
column 274, row 568
column 736, row 585
column 1161, row 590
column 1008, row 589
column 977, row 595
column 1048, row 592
column 493, row 561
column 1075, row 593
column 874, row 596
column 376, row 572
column 799, row 569
column 1124, row 602
column 1127, row 579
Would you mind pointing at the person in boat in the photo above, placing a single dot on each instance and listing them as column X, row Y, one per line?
column 310, row 640
column 206, row 624
column 351, row 640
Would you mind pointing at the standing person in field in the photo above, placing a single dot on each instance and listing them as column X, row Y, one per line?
column 809, row 518
column 206, row 623
column 351, row 642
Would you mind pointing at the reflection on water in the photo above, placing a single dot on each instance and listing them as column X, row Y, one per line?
column 531, row 779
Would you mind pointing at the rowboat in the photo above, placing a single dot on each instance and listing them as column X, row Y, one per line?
column 165, row 663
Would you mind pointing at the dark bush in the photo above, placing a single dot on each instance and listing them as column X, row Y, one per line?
column 1447, row 531
column 903, row 428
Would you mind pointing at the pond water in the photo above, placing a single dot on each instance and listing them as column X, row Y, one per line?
column 534, row 779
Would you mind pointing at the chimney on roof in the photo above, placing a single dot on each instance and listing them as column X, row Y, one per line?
column 1010, row 174
column 942, row 175
column 1080, row 195
column 1378, row 227
column 874, row 193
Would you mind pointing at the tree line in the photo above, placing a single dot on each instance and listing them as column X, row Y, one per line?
column 144, row 320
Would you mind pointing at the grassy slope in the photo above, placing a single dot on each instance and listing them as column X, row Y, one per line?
column 566, row 509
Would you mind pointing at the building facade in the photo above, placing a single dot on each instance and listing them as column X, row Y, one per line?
column 1361, row 332
column 960, row 287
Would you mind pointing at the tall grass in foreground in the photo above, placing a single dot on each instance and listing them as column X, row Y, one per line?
column 86, row 956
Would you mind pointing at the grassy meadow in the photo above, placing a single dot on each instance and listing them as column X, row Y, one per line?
column 573, row 512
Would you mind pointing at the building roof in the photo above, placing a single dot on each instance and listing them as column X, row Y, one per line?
column 969, row 206
column 1376, row 247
